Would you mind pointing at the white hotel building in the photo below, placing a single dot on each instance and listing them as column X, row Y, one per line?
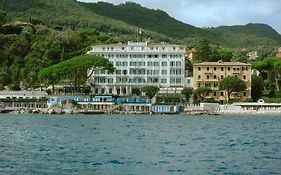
column 140, row 64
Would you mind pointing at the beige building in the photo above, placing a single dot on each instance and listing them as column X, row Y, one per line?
column 278, row 54
column 209, row 74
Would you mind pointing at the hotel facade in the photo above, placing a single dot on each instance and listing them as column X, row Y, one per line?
column 209, row 74
column 140, row 64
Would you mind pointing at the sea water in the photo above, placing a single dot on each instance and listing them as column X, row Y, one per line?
column 139, row 144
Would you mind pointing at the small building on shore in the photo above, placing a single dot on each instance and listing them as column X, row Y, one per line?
column 23, row 94
column 22, row 100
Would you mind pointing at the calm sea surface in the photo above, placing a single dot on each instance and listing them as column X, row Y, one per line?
column 139, row 144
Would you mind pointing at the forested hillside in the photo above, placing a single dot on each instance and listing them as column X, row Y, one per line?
column 155, row 20
column 125, row 19
column 70, row 14
column 35, row 34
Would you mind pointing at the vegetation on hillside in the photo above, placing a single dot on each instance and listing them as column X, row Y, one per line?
column 24, row 51
column 125, row 20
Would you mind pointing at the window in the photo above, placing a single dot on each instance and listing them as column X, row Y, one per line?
column 244, row 77
column 164, row 72
column 172, row 72
column 221, row 68
column 228, row 68
column 244, row 68
column 155, row 72
column 207, row 68
column 199, row 84
column 178, row 72
column 244, row 94
column 199, row 68
column 207, row 77
column 215, row 77
column 164, row 64
column 178, row 81
column 222, row 94
column 178, row 64
column 118, row 72
column 156, row 64
column 215, row 68
column 221, row 76
column 236, row 69
column 215, row 93
column 110, row 80
column 199, row 77
column 124, row 63
column 163, row 81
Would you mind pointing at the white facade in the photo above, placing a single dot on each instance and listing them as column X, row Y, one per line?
column 140, row 64
column 22, row 94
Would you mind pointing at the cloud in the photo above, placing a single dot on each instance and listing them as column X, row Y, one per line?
column 212, row 13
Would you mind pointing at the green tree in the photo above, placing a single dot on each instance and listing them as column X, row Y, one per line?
column 76, row 69
column 256, row 87
column 221, row 54
column 3, row 15
column 150, row 91
column 232, row 84
column 241, row 56
column 203, row 51
column 187, row 92
column 168, row 99
column 188, row 66
column 201, row 93
column 3, row 78
column 270, row 69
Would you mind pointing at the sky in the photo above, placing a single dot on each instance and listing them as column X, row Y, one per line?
column 213, row 13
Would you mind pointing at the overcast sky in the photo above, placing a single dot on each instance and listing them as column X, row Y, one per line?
column 213, row 13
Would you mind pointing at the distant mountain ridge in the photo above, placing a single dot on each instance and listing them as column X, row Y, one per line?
column 156, row 20
column 126, row 18
column 263, row 30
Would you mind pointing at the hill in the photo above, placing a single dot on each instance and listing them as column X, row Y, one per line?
column 155, row 20
column 249, row 35
column 70, row 14
column 161, row 22
column 125, row 19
